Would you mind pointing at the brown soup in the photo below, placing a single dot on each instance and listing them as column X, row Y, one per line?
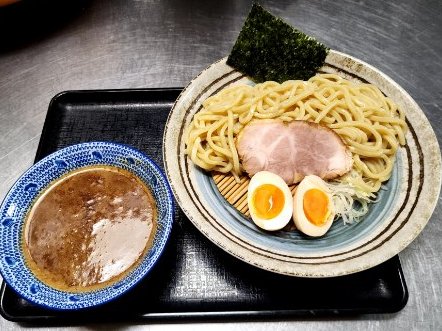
column 89, row 228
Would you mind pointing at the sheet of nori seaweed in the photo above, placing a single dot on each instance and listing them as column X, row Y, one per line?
column 267, row 48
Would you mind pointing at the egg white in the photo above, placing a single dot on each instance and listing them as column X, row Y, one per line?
column 283, row 218
column 299, row 217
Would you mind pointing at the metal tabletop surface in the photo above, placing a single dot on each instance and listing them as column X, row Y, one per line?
column 50, row 46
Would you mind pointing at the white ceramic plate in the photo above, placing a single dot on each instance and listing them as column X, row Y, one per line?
column 405, row 204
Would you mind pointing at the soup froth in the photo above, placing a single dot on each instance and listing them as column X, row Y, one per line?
column 89, row 228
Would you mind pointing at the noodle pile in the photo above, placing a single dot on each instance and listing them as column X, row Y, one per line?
column 369, row 123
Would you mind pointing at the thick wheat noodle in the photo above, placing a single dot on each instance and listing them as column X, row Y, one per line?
column 369, row 123
column 231, row 143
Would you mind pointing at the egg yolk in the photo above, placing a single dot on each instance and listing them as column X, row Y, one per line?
column 268, row 201
column 316, row 206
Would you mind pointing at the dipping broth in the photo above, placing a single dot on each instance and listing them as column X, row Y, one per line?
column 89, row 228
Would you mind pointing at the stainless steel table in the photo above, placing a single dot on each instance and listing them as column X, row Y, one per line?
column 50, row 46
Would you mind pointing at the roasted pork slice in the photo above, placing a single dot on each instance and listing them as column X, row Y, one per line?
column 292, row 150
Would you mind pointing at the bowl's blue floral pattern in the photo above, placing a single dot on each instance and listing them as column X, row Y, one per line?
column 27, row 188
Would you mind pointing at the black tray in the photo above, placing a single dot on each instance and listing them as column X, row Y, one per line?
column 194, row 279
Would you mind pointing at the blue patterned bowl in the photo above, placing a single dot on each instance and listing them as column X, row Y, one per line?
column 27, row 188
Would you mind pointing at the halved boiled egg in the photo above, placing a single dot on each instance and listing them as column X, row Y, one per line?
column 313, row 208
column 270, row 201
